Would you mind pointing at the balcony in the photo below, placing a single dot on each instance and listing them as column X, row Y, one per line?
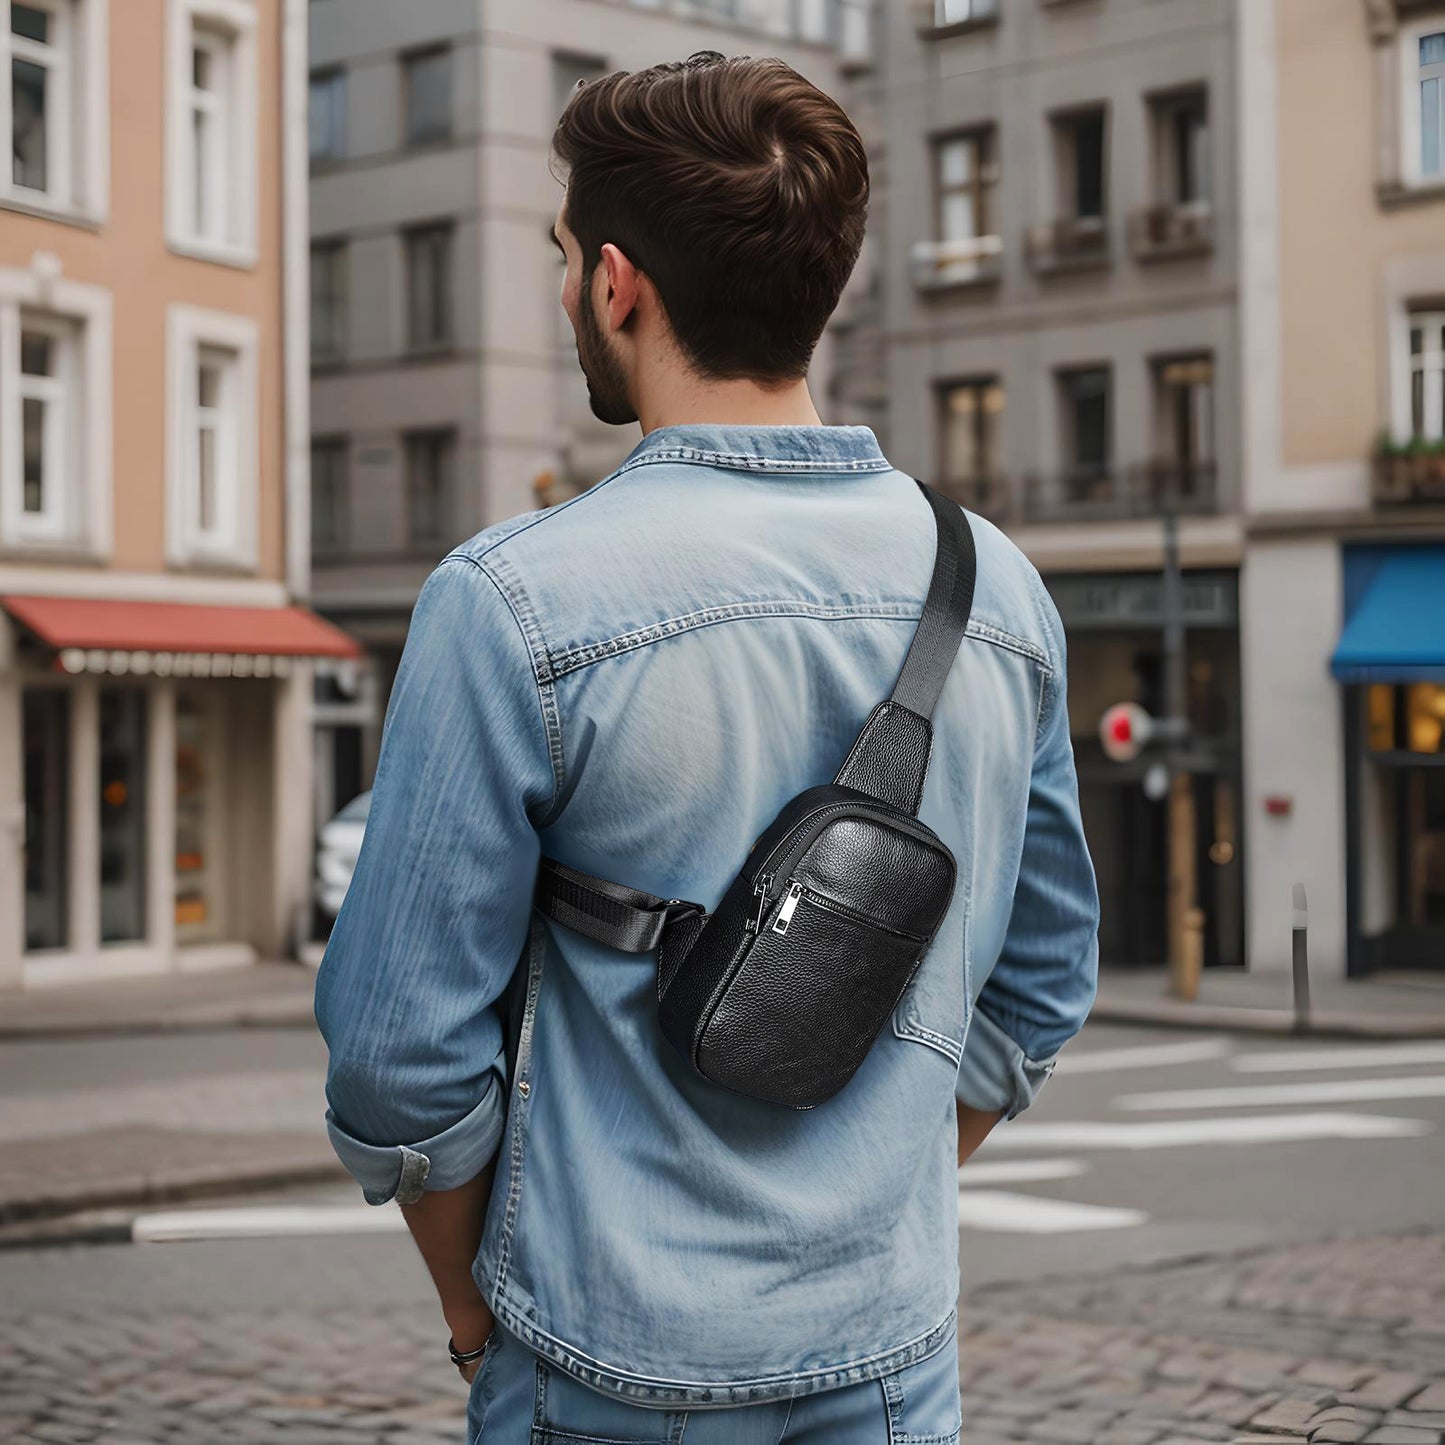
column 992, row 495
column 1099, row 494
column 1409, row 475
column 1172, row 231
column 1075, row 243
column 956, row 265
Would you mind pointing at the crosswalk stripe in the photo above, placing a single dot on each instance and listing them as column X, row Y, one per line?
column 1018, row 1171
column 1170, row 1133
column 1320, row 1091
column 1365, row 1056
column 266, row 1222
column 1000, row 1211
column 1145, row 1056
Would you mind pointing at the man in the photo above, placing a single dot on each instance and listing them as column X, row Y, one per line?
column 634, row 682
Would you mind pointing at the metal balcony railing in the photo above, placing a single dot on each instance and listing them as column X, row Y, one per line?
column 992, row 495
column 946, row 265
column 1171, row 231
column 1073, row 243
column 1104, row 493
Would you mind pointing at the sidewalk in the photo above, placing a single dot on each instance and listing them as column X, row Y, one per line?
column 1385, row 1006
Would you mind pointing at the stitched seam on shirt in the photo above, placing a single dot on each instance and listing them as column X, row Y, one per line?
column 576, row 658
column 503, row 576
column 751, row 462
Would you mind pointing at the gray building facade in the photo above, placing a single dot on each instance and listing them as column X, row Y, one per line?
column 445, row 389
column 1060, row 301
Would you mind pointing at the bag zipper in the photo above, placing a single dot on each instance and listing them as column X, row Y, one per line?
column 831, row 905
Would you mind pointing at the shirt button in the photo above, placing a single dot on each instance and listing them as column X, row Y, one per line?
column 524, row 1088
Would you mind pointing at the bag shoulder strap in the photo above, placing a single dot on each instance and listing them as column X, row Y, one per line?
column 889, row 759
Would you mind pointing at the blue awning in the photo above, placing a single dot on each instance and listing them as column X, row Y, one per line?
column 1395, row 615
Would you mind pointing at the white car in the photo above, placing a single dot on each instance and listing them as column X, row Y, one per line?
column 337, row 847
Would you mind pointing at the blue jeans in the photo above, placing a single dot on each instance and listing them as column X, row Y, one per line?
column 518, row 1398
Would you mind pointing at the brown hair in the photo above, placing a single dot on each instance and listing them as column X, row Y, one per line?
column 738, row 187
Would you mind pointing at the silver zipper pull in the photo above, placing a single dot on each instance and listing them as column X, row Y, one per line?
column 785, row 913
column 760, row 892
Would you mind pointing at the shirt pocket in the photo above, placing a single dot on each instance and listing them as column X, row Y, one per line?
column 934, row 1008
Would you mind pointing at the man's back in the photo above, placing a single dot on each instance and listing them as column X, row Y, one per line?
column 634, row 683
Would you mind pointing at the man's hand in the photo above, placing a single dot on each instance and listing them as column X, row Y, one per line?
column 973, row 1127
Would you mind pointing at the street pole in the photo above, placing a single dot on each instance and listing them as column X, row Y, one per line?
column 1185, row 922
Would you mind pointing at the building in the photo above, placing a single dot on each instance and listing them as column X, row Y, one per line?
column 445, row 389
column 1343, row 595
column 1060, row 299
column 154, row 666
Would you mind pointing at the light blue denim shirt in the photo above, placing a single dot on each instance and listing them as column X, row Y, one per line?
column 635, row 682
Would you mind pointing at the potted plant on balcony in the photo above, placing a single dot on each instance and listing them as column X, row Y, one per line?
column 1409, row 471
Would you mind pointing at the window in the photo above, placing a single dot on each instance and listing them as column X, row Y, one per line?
column 122, row 814
column 972, row 427
column 1431, row 74
column 965, row 174
column 326, row 115
column 212, row 468
column 429, row 463
column 1086, row 430
column 427, row 82
column 211, row 186
column 429, row 287
column 1427, row 374
column 46, row 727
column 1184, row 396
column 328, row 299
column 52, row 118
column 1181, row 147
column 328, row 494
column 55, row 411
column 962, row 12
column 568, row 72
column 1079, row 153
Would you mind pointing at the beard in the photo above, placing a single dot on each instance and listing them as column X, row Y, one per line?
column 606, row 380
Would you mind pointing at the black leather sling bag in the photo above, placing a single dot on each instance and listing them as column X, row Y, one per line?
column 780, row 992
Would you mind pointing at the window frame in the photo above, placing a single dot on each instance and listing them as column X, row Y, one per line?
column 413, row 57
column 339, row 448
column 231, row 23
column 982, row 186
column 192, row 332
column 337, row 115
column 78, row 127
column 445, row 440
column 444, row 286
column 79, row 316
column 337, row 249
column 986, row 426
column 1064, row 132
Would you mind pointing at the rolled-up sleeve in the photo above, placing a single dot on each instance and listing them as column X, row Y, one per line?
column 436, row 917
column 1039, row 992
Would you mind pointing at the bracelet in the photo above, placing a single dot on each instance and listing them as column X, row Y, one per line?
column 465, row 1357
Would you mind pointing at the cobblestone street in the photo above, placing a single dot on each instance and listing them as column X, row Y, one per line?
column 1322, row 1342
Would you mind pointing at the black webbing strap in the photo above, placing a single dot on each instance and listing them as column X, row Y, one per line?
column 632, row 920
column 612, row 913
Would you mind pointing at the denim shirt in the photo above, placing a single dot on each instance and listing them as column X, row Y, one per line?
column 634, row 682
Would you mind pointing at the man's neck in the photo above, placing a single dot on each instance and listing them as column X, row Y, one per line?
column 732, row 403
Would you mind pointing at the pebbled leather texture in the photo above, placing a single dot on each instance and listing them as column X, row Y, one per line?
column 789, row 1017
column 890, row 756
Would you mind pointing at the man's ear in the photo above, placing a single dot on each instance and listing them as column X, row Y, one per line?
column 619, row 286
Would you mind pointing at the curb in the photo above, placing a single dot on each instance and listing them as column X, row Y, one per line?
column 69, row 1216
column 289, row 1015
column 1237, row 1018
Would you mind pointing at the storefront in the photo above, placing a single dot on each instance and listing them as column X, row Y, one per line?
column 154, row 761
column 1114, row 623
column 1391, row 661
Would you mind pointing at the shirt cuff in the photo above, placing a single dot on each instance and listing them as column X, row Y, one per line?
column 445, row 1161
column 995, row 1074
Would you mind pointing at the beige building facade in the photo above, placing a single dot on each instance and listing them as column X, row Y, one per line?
column 155, row 668
column 1343, row 584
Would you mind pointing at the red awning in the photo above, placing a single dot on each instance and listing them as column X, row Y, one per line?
column 179, row 627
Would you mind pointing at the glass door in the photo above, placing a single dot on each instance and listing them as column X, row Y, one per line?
column 122, row 814
column 199, row 724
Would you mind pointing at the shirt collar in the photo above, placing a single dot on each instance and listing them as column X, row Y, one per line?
column 748, row 447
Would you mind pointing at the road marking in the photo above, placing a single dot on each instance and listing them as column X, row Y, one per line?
column 1146, row 1056
column 1326, row 1091
column 999, row 1211
column 1018, row 1171
column 266, row 1222
column 1170, row 1133
column 1366, row 1056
